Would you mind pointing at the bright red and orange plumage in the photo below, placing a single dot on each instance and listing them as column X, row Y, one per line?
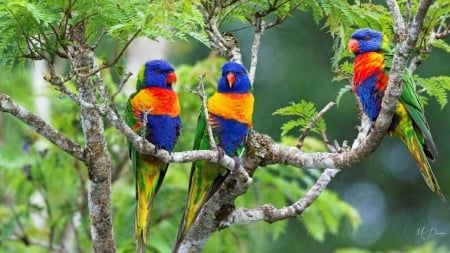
column 155, row 99
column 408, row 124
column 230, row 115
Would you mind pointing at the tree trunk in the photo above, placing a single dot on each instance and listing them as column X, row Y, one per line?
column 97, row 158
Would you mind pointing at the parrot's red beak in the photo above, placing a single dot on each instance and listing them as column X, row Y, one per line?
column 230, row 79
column 171, row 78
column 353, row 46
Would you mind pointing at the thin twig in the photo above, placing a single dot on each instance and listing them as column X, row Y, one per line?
column 121, row 85
column 399, row 24
column 201, row 92
column 99, row 39
column 41, row 244
column 312, row 123
column 116, row 58
column 76, row 98
column 330, row 147
column 443, row 34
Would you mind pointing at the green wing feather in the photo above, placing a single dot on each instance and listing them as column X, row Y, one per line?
column 200, row 132
column 415, row 109
column 410, row 125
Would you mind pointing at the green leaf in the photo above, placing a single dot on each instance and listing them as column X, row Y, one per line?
column 314, row 224
column 436, row 87
column 304, row 111
column 347, row 88
column 441, row 44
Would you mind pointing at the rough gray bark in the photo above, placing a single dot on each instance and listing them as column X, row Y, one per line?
column 96, row 156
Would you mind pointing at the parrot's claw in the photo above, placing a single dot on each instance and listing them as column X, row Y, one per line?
column 157, row 148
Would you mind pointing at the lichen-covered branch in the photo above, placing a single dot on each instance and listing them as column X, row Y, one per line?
column 8, row 105
column 269, row 213
column 226, row 44
column 97, row 157
column 260, row 26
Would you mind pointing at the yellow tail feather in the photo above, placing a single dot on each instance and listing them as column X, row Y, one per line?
column 149, row 176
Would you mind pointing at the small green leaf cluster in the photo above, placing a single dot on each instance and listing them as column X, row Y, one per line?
column 436, row 86
column 304, row 111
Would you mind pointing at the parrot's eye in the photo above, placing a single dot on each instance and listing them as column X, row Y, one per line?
column 367, row 37
column 158, row 71
column 241, row 72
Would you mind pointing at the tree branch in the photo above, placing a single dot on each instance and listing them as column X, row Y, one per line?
column 269, row 213
column 259, row 31
column 8, row 105
column 202, row 94
column 227, row 45
column 399, row 24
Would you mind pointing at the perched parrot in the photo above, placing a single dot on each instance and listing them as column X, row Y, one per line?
column 155, row 98
column 230, row 116
column 409, row 124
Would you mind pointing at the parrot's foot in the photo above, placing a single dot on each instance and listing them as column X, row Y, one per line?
column 157, row 148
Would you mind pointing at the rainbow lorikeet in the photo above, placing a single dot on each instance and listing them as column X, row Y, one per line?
column 409, row 124
column 155, row 99
column 230, row 116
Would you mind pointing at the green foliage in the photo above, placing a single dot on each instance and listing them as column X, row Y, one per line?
column 305, row 111
column 341, row 18
column 19, row 19
column 165, row 19
column 39, row 29
column 40, row 207
column 436, row 86
column 347, row 88
column 326, row 214
column 441, row 44
column 245, row 11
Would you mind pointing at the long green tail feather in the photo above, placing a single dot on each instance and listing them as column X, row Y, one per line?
column 205, row 180
column 412, row 138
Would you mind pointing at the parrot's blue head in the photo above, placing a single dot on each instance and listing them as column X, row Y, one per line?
column 365, row 40
column 234, row 79
column 156, row 73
